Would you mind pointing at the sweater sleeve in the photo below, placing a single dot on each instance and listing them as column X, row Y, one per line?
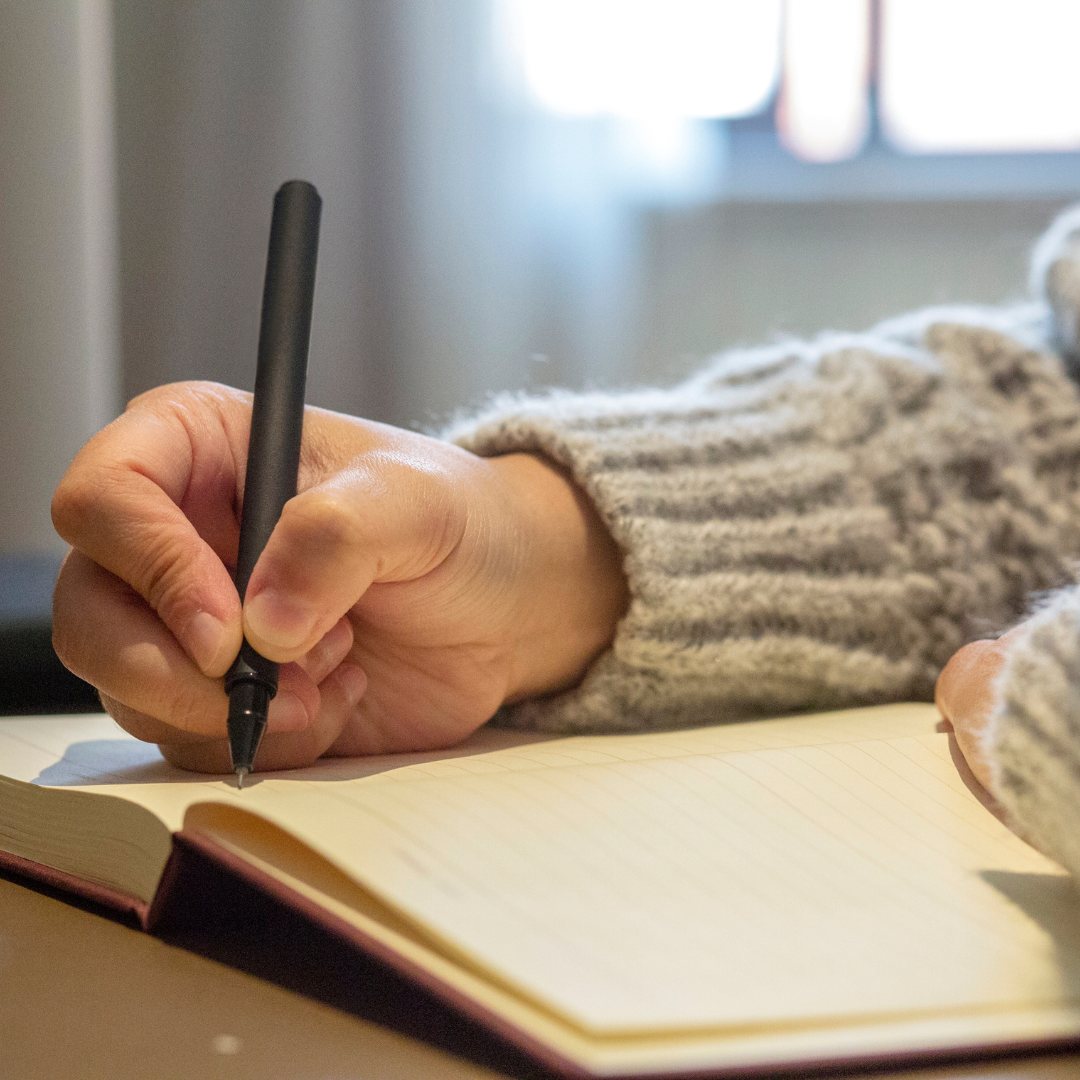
column 810, row 525
column 1035, row 731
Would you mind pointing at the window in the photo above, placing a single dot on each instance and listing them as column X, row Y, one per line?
column 816, row 98
column 970, row 76
column 824, row 109
column 643, row 59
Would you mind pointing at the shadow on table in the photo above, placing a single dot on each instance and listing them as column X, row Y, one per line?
column 226, row 919
column 123, row 760
column 1052, row 901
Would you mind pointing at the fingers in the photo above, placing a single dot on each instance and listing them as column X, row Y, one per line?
column 139, row 494
column 966, row 694
column 965, row 697
column 327, row 653
column 317, row 564
column 395, row 513
column 107, row 634
column 972, row 782
column 339, row 693
column 963, row 689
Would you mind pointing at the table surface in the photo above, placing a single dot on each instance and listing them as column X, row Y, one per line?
column 82, row 996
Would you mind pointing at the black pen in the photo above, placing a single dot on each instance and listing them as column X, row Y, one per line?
column 277, row 418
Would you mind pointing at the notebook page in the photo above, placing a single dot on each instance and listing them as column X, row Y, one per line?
column 92, row 752
column 650, row 1053
column 740, row 875
column 31, row 744
column 50, row 766
column 712, row 888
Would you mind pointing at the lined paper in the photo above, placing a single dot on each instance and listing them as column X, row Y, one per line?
column 708, row 889
column 807, row 870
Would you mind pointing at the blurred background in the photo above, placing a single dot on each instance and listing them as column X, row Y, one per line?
column 518, row 193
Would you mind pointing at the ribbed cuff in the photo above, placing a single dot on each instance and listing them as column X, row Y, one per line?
column 811, row 525
column 1035, row 731
column 758, row 560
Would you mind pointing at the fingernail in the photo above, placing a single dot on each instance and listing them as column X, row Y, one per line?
column 286, row 713
column 205, row 640
column 278, row 621
column 352, row 681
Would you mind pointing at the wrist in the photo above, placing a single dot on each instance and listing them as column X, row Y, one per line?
column 573, row 591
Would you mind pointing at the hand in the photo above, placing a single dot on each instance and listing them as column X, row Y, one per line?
column 409, row 590
column 965, row 698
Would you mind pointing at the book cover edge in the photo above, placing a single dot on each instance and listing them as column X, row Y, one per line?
column 148, row 916
column 105, row 896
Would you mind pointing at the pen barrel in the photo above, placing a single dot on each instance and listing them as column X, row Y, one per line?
column 277, row 417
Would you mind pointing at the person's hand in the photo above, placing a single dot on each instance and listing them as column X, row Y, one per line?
column 409, row 590
column 965, row 698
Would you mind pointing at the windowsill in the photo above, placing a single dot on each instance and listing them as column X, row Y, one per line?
column 759, row 169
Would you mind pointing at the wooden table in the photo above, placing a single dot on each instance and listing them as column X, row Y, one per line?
column 82, row 996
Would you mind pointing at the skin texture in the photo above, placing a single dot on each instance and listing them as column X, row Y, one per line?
column 965, row 695
column 409, row 590
column 965, row 698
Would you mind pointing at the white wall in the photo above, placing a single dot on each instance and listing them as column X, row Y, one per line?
column 736, row 273
column 58, row 356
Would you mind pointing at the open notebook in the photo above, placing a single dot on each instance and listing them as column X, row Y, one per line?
column 771, row 893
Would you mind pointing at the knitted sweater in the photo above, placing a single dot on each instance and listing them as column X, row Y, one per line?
column 1034, row 734
column 812, row 525
column 821, row 524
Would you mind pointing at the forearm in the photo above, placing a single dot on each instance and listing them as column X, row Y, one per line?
column 806, row 527
column 575, row 579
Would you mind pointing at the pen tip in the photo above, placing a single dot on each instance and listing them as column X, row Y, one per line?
column 241, row 772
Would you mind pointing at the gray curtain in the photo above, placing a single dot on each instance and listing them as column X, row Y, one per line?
column 58, row 371
column 440, row 278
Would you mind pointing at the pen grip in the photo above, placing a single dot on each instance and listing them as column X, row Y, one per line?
column 277, row 416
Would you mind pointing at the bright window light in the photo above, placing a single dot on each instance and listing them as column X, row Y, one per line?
column 648, row 58
column 980, row 75
column 824, row 109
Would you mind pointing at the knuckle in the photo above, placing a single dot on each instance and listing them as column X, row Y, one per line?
column 74, row 501
column 169, row 393
column 325, row 520
column 134, row 722
column 164, row 575
column 204, row 757
column 185, row 708
column 78, row 649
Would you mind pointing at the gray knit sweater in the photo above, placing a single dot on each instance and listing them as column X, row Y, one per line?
column 822, row 524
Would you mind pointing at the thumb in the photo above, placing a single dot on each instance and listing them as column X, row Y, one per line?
column 383, row 519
